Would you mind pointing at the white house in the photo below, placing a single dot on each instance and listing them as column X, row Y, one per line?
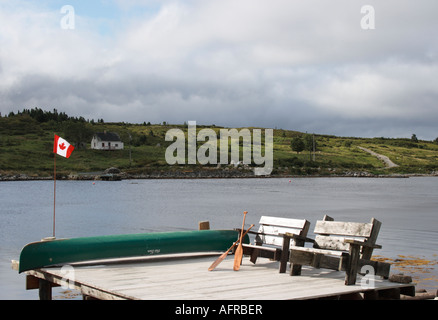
column 106, row 141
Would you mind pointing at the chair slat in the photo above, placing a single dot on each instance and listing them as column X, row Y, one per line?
column 284, row 222
column 343, row 228
column 272, row 240
column 276, row 230
column 333, row 242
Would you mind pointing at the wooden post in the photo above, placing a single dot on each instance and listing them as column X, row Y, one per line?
column 371, row 295
column 285, row 253
column 32, row 282
column 296, row 258
column 390, row 294
column 353, row 262
column 45, row 290
column 204, row 225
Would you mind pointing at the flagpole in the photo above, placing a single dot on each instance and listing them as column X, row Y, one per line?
column 54, row 193
column 63, row 148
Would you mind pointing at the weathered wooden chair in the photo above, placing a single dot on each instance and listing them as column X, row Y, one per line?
column 274, row 238
column 344, row 246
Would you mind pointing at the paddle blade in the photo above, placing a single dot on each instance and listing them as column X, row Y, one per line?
column 238, row 257
column 221, row 258
column 239, row 251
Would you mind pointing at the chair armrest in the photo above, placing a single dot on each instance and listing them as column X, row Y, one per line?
column 297, row 237
column 363, row 244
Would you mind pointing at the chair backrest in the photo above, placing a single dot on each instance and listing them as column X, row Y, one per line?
column 271, row 229
column 330, row 234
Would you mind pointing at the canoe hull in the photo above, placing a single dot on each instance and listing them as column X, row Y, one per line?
column 63, row 251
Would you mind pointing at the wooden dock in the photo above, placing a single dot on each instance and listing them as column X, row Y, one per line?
column 185, row 277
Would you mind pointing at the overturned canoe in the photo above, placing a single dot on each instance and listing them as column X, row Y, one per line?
column 63, row 251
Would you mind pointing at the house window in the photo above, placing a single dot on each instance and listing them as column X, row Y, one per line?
column 117, row 145
column 103, row 144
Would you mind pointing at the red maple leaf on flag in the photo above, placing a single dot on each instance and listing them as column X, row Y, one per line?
column 62, row 146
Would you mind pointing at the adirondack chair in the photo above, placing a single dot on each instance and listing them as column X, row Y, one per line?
column 345, row 246
column 274, row 238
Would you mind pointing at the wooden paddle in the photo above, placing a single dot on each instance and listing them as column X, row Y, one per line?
column 239, row 251
column 223, row 255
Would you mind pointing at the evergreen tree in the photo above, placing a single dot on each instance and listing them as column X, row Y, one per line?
column 414, row 138
column 297, row 144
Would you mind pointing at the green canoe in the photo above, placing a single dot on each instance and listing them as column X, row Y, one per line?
column 63, row 251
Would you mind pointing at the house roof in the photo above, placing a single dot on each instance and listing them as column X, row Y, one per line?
column 107, row 136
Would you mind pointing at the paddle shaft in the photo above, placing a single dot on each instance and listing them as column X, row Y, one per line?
column 239, row 251
column 223, row 255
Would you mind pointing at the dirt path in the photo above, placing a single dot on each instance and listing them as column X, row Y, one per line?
column 388, row 163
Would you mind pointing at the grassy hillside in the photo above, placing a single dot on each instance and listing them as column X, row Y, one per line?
column 26, row 144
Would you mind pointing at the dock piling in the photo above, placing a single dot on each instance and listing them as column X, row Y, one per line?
column 204, row 225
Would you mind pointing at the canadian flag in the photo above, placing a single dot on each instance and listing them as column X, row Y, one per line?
column 62, row 147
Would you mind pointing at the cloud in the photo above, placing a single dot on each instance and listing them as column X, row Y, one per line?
column 384, row 90
column 300, row 65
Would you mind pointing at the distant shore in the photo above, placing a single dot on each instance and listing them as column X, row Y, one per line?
column 207, row 174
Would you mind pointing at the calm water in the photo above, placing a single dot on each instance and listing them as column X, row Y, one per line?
column 406, row 207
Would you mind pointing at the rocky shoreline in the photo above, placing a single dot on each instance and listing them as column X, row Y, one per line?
column 114, row 174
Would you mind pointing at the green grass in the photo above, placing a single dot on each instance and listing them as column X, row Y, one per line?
column 26, row 146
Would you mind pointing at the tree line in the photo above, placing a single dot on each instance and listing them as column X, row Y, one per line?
column 42, row 116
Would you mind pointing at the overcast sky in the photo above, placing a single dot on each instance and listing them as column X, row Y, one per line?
column 304, row 65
